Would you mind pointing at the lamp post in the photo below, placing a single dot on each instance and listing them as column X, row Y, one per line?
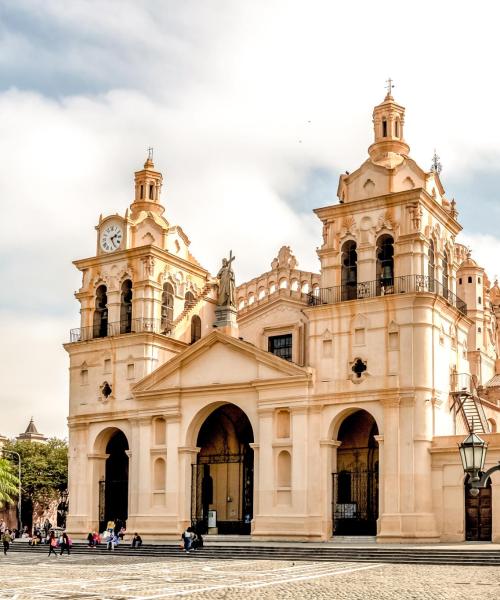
column 19, row 486
column 473, row 454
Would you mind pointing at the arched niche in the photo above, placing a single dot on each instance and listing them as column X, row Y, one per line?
column 284, row 469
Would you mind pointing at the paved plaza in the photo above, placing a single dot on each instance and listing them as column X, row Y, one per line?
column 24, row 576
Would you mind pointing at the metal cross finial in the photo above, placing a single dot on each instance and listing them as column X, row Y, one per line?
column 389, row 86
column 436, row 166
column 150, row 153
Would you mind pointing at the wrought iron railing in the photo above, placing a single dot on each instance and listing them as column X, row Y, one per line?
column 406, row 284
column 100, row 330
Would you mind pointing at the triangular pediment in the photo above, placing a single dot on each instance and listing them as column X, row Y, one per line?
column 219, row 359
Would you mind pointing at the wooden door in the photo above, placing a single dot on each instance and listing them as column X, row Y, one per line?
column 478, row 515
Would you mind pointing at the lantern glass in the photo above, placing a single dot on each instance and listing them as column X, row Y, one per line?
column 473, row 453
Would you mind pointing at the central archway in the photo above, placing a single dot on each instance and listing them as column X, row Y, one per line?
column 113, row 492
column 355, row 484
column 222, row 483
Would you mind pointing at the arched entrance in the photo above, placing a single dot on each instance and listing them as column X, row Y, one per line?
column 478, row 514
column 355, row 484
column 223, row 476
column 113, row 490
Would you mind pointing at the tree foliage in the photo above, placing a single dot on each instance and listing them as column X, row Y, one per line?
column 44, row 468
column 8, row 483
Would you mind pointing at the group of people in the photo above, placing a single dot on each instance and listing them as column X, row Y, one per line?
column 191, row 540
column 63, row 542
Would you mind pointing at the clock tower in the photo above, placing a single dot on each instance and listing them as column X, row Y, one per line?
column 144, row 298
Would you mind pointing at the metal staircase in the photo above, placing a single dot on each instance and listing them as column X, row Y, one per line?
column 203, row 295
column 467, row 403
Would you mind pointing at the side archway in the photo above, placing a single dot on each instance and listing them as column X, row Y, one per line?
column 355, row 482
column 112, row 444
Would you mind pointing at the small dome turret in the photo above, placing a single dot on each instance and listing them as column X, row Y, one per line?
column 389, row 147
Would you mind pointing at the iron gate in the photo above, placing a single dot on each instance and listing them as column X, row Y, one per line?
column 237, row 513
column 355, row 502
column 113, row 502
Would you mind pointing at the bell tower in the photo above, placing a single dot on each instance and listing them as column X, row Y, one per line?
column 148, row 183
column 389, row 146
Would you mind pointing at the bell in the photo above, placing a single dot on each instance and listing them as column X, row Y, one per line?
column 386, row 272
column 351, row 277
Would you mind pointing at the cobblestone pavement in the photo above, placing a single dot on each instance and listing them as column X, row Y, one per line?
column 24, row 577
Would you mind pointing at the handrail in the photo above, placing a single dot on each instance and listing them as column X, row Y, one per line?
column 144, row 325
column 463, row 391
column 405, row 284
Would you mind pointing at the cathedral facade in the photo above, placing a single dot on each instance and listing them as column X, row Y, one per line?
column 306, row 405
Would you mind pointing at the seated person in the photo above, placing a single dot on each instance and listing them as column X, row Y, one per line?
column 136, row 541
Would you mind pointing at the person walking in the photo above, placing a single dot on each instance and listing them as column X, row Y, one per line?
column 112, row 541
column 65, row 544
column 6, row 541
column 52, row 544
column 187, row 536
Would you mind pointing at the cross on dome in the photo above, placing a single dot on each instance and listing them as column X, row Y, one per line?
column 389, row 86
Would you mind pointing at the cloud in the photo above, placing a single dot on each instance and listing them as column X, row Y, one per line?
column 253, row 109
column 34, row 373
column 485, row 251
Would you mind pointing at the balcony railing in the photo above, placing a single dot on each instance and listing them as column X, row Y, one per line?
column 83, row 334
column 406, row 284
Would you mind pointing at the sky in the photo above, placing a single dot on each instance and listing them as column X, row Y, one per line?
column 252, row 108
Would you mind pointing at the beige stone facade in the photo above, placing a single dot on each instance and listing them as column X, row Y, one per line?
column 336, row 406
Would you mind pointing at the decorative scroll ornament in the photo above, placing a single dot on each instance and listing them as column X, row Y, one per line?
column 348, row 226
column 385, row 221
column 284, row 260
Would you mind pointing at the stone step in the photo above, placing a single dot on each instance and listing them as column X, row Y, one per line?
column 384, row 555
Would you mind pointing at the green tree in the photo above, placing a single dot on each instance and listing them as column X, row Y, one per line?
column 44, row 470
column 9, row 483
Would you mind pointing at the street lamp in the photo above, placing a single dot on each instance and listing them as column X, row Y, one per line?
column 473, row 454
column 19, row 488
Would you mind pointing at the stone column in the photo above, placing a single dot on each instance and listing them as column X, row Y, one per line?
column 264, row 493
column 381, row 479
column 366, row 265
column 187, row 458
column 495, row 507
column 140, row 474
column 389, row 523
column 405, row 477
column 114, row 307
column 330, row 267
column 328, row 452
column 299, row 452
column 256, row 488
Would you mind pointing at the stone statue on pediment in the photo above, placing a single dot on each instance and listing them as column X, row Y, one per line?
column 227, row 286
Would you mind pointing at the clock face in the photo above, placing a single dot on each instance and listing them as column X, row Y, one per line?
column 111, row 238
